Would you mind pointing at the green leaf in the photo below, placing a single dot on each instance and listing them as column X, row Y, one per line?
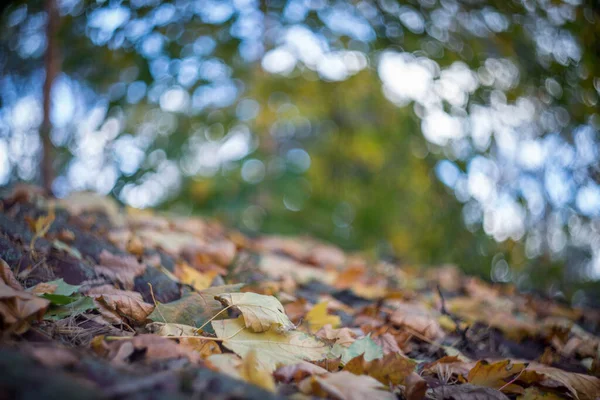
column 365, row 346
column 78, row 306
column 58, row 299
column 63, row 288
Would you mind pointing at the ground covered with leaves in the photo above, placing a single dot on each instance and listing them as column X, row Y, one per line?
column 102, row 302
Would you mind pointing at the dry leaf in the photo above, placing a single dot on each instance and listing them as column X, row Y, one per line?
column 153, row 347
column 582, row 387
column 260, row 312
column 417, row 318
column 387, row 342
column 189, row 276
column 205, row 348
column 466, row 391
column 345, row 386
column 297, row 372
column 7, row 276
column 416, row 387
column 273, row 348
column 495, row 375
column 18, row 307
column 392, row 369
column 226, row 363
column 317, row 317
column 114, row 303
column 252, row 372
column 343, row 336
column 121, row 268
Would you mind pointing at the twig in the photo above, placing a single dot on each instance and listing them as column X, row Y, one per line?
column 513, row 380
column 156, row 304
column 213, row 317
column 454, row 318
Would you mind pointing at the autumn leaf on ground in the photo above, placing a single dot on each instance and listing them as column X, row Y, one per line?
column 466, row 392
column 40, row 226
column 365, row 346
column 121, row 268
column 317, row 317
column 582, row 387
column 252, row 372
column 189, row 276
column 345, row 386
column 7, row 276
column 273, row 348
column 260, row 312
column 391, row 369
column 297, row 372
column 496, row 375
column 152, row 347
column 417, row 318
column 18, row 307
column 343, row 336
column 193, row 309
column 115, row 304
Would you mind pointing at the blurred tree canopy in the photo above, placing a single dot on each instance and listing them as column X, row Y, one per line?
column 459, row 131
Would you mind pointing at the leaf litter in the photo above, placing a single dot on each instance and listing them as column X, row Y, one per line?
column 266, row 317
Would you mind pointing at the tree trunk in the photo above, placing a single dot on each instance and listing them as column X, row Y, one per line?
column 52, row 66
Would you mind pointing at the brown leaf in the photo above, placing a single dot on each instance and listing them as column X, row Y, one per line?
column 54, row 356
column 343, row 336
column 467, row 392
column 121, row 268
column 153, row 347
column 418, row 318
column 345, row 386
column 115, row 303
column 387, row 342
column 582, row 387
column 391, row 369
column 205, row 348
column 297, row 372
column 18, row 307
column 7, row 276
column 416, row 387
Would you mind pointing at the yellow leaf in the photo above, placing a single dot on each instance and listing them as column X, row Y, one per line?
column 260, row 312
column 494, row 375
column 273, row 348
column 253, row 373
column 317, row 317
column 198, row 280
column 345, row 385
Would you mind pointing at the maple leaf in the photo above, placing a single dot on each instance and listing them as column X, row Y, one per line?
column 391, row 369
column 495, row 375
column 365, row 346
column 345, row 386
column 260, row 312
column 273, row 348
column 317, row 317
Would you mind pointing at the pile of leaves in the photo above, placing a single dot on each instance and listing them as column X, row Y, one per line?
column 98, row 301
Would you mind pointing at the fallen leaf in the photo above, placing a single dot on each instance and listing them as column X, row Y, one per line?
column 7, row 276
column 343, row 336
column 153, row 347
column 582, row 387
column 466, row 391
column 495, row 375
column 121, row 268
column 193, row 309
column 226, row 363
column 365, row 346
column 297, row 372
column 416, row 387
column 317, row 317
column 387, row 342
column 169, row 329
column 279, row 267
column 115, row 304
column 189, row 276
column 418, row 318
column 79, row 306
column 18, row 307
column 260, row 312
column 252, row 372
column 392, row 369
column 533, row 393
column 273, row 348
column 205, row 348
column 55, row 356
column 345, row 386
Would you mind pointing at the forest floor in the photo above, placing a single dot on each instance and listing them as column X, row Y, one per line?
column 102, row 302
